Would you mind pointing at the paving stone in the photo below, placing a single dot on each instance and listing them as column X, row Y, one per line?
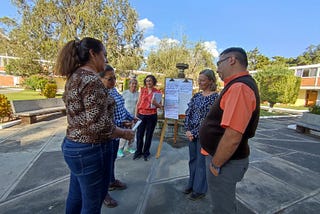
column 11, row 167
column 305, row 160
column 168, row 198
column 48, row 200
column 290, row 173
column 48, row 167
column 282, row 176
column 273, row 150
column 308, row 206
column 258, row 155
column 303, row 146
column 317, row 197
column 263, row 193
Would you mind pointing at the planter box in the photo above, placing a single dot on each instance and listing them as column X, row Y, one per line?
column 308, row 122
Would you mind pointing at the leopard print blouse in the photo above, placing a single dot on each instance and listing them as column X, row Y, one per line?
column 89, row 108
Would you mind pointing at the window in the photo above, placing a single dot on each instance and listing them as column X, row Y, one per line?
column 299, row 72
column 313, row 72
column 309, row 72
column 305, row 72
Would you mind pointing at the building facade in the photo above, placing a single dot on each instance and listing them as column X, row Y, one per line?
column 309, row 93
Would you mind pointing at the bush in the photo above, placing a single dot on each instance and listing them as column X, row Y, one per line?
column 50, row 90
column 315, row 109
column 31, row 82
column 5, row 108
column 126, row 83
column 41, row 84
column 35, row 82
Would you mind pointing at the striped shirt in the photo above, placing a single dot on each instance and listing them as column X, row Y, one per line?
column 120, row 112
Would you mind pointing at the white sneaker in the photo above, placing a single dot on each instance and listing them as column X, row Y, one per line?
column 131, row 151
column 120, row 153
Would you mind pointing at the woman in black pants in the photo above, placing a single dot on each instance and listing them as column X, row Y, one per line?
column 146, row 111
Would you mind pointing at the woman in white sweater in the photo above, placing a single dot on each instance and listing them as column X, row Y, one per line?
column 130, row 97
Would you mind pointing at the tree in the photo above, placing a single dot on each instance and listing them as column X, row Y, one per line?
column 282, row 61
column 256, row 60
column 277, row 84
column 46, row 25
column 310, row 56
column 164, row 59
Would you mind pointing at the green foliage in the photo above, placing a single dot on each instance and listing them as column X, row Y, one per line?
column 164, row 59
column 26, row 95
column 282, row 61
column 41, row 84
column 5, row 108
column 50, row 90
column 31, row 82
column 24, row 67
column 315, row 109
column 278, row 85
column 256, row 60
column 126, row 83
column 35, row 82
column 45, row 26
column 140, row 79
column 310, row 56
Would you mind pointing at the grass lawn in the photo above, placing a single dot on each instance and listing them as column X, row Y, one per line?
column 25, row 95
column 288, row 106
column 266, row 113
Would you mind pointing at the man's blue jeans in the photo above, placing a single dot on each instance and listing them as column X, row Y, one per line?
column 90, row 174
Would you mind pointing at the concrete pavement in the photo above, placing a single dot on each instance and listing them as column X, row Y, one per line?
column 283, row 177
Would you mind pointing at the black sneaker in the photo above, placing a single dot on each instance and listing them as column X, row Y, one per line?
column 195, row 196
column 136, row 156
column 187, row 191
column 146, row 157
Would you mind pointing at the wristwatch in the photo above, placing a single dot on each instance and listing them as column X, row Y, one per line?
column 215, row 167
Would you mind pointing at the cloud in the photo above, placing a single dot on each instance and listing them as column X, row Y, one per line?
column 211, row 46
column 150, row 42
column 145, row 24
column 172, row 41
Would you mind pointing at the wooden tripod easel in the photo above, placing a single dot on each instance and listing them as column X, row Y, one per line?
column 163, row 130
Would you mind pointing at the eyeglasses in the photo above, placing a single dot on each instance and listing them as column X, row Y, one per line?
column 110, row 78
column 221, row 60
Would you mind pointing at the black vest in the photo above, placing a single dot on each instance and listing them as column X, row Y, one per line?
column 211, row 132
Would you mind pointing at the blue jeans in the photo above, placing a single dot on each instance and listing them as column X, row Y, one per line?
column 147, row 127
column 89, row 177
column 115, row 148
column 197, row 168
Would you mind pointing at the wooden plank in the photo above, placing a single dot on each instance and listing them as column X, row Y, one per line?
column 164, row 126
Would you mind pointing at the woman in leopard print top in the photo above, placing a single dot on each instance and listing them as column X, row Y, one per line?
column 87, row 145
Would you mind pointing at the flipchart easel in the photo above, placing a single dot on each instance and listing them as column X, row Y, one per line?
column 178, row 92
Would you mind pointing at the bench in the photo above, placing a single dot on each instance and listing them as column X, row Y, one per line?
column 308, row 122
column 28, row 110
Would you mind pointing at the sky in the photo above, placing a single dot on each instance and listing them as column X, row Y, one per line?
column 276, row 27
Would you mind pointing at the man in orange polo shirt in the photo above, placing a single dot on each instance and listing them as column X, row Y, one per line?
column 224, row 133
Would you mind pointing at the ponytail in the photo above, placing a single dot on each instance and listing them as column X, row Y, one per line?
column 75, row 54
column 68, row 60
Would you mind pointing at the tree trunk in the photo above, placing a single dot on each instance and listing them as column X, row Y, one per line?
column 271, row 107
